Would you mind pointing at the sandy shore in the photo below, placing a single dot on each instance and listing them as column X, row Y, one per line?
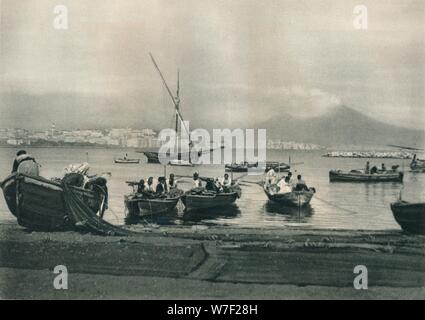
column 198, row 262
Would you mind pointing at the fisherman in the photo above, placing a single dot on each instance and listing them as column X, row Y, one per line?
column 172, row 182
column 25, row 163
column 141, row 186
column 288, row 178
column 210, row 186
column 149, row 187
column 271, row 177
column 161, row 187
column 217, row 184
column 226, row 182
column 367, row 169
column 284, row 187
column 301, row 185
column 383, row 168
column 196, row 181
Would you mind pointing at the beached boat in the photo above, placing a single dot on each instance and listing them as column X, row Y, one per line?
column 294, row 198
column 127, row 161
column 410, row 216
column 208, row 199
column 39, row 204
column 360, row 176
column 139, row 206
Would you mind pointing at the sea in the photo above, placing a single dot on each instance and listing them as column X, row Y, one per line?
column 336, row 205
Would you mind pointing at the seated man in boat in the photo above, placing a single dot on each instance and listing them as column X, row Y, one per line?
column 367, row 169
column 172, row 182
column 300, row 184
column 271, row 177
column 197, row 183
column 217, row 184
column 149, row 186
column 161, row 187
column 210, row 185
column 25, row 163
column 226, row 182
column 141, row 186
column 283, row 186
column 374, row 170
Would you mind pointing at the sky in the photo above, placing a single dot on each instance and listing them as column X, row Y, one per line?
column 240, row 61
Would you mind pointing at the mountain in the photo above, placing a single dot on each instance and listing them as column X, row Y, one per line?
column 341, row 126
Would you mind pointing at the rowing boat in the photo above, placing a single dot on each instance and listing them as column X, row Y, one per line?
column 204, row 199
column 142, row 206
column 39, row 204
column 293, row 198
column 127, row 161
column 410, row 216
column 360, row 176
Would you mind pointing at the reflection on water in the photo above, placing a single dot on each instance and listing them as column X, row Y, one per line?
column 335, row 205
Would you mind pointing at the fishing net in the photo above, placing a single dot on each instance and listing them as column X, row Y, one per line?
column 84, row 216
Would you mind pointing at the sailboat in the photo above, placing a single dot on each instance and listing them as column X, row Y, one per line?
column 183, row 158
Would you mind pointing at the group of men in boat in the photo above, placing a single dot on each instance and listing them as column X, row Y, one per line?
column 213, row 184
column 375, row 170
column 285, row 184
column 158, row 189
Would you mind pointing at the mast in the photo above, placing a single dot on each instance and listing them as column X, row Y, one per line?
column 178, row 101
column 175, row 103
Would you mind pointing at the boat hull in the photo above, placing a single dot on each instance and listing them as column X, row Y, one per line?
column 128, row 161
column 195, row 201
column 339, row 176
column 410, row 216
column 294, row 198
column 39, row 204
column 148, row 207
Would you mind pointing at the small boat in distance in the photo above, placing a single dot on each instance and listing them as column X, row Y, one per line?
column 293, row 198
column 417, row 165
column 126, row 161
column 410, row 216
column 361, row 176
column 245, row 166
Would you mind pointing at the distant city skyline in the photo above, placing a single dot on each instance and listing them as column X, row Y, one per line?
column 240, row 61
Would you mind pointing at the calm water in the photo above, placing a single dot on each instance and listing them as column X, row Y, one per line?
column 335, row 205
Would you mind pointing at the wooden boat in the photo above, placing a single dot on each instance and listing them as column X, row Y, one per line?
column 208, row 199
column 359, row 176
column 417, row 165
column 277, row 166
column 137, row 206
column 127, row 161
column 240, row 167
column 244, row 167
column 410, row 216
column 294, row 198
column 39, row 204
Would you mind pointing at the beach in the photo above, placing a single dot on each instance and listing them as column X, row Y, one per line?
column 200, row 262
